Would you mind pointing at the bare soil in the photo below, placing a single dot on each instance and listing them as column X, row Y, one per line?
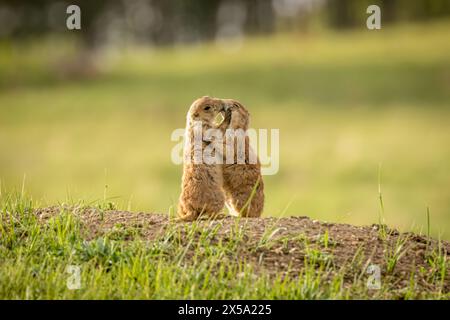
column 349, row 248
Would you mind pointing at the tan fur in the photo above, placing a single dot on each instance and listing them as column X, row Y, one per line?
column 239, row 180
column 201, row 183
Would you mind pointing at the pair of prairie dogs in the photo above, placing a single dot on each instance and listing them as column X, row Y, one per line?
column 206, row 188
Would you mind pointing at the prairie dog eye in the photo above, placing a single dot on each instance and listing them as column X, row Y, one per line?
column 207, row 108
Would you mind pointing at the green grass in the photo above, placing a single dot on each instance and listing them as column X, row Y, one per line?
column 344, row 103
column 35, row 258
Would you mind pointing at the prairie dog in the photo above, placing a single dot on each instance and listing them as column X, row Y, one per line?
column 241, row 182
column 201, row 184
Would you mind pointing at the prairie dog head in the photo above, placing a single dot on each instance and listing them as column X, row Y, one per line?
column 205, row 109
column 236, row 115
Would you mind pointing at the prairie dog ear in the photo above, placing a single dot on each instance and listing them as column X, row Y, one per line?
column 241, row 107
column 231, row 104
column 236, row 104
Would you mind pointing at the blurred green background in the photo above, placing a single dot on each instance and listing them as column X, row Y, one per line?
column 81, row 110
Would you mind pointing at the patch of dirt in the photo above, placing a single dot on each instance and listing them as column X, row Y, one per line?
column 280, row 245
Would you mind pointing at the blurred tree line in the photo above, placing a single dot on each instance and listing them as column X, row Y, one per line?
column 184, row 21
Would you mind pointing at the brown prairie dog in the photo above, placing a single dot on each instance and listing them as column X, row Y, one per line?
column 201, row 183
column 241, row 182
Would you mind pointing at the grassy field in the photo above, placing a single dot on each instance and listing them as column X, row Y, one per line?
column 344, row 103
column 351, row 107
column 123, row 255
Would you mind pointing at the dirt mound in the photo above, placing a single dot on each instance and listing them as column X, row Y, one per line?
column 280, row 245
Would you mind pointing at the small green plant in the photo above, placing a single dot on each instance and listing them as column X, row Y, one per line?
column 395, row 253
column 439, row 263
column 428, row 228
column 381, row 221
column 326, row 241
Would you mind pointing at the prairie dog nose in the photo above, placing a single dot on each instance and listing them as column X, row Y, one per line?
column 227, row 104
